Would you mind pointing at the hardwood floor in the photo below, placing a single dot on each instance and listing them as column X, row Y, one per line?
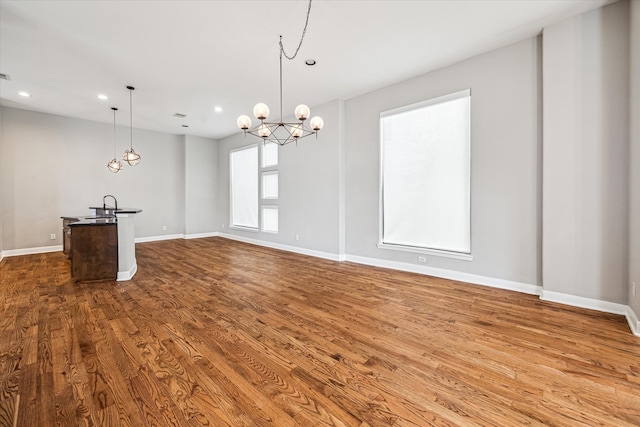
column 216, row 332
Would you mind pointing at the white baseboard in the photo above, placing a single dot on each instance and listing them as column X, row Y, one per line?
column 448, row 274
column 633, row 322
column 201, row 235
column 576, row 301
column 31, row 251
column 298, row 250
column 159, row 238
column 127, row 275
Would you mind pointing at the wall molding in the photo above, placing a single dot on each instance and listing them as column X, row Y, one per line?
column 582, row 302
column 159, row 238
column 298, row 250
column 473, row 279
column 632, row 320
column 127, row 275
column 31, row 251
column 200, row 235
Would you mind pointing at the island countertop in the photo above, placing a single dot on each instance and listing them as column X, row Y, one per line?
column 120, row 210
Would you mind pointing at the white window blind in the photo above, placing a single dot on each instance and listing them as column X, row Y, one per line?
column 425, row 154
column 269, row 154
column 244, row 187
column 270, row 185
column 270, row 218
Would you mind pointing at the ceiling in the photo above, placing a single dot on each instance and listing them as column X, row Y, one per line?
column 190, row 56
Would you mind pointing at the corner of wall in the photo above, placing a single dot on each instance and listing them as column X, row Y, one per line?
column 632, row 320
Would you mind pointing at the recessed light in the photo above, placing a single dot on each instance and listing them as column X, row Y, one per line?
column 310, row 62
column 217, row 109
column 25, row 94
column 103, row 97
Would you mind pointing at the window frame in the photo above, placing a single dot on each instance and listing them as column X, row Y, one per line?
column 467, row 256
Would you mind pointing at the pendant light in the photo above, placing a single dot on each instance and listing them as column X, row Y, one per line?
column 130, row 156
column 114, row 165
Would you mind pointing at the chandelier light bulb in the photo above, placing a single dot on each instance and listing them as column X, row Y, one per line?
column 302, row 112
column 261, row 111
column 244, row 122
column 264, row 131
column 114, row 166
column 296, row 131
column 316, row 123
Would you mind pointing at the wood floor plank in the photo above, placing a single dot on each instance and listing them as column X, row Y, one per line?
column 214, row 332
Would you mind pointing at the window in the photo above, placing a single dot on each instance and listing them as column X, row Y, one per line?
column 243, row 166
column 269, row 181
column 425, row 177
column 269, row 154
column 270, row 218
column 270, row 185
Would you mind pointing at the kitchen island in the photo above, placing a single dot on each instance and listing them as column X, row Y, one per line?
column 101, row 246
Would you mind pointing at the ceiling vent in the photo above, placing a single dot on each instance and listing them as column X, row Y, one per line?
column 180, row 116
column 4, row 76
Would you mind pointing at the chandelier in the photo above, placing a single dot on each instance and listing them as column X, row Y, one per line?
column 282, row 132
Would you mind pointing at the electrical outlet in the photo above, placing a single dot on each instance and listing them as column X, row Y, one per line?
column 164, row 228
column 633, row 288
column 222, row 225
column 53, row 237
column 297, row 237
column 422, row 258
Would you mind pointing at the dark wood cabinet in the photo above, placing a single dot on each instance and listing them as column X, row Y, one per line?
column 94, row 251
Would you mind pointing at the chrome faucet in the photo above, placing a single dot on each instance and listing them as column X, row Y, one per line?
column 104, row 205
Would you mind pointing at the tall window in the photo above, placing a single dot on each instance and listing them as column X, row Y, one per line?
column 244, row 187
column 425, row 173
column 269, row 200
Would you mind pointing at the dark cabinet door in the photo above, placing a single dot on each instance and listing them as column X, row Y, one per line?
column 94, row 252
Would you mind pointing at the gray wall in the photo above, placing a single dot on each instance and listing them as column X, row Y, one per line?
column 586, row 126
column 504, row 180
column 309, row 180
column 2, row 156
column 53, row 166
column 634, row 188
column 201, row 185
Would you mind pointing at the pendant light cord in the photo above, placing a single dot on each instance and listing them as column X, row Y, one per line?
column 114, row 131
column 282, row 52
column 131, row 89
column 301, row 38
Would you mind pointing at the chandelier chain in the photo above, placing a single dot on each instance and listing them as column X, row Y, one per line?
column 304, row 32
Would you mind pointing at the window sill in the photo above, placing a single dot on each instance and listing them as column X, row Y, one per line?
column 432, row 252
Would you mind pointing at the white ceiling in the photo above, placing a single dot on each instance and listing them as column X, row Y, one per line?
column 190, row 56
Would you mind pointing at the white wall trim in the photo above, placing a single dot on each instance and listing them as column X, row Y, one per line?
column 576, row 301
column 448, row 274
column 633, row 322
column 127, row 275
column 201, row 235
column 158, row 238
column 31, row 251
column 303, row 251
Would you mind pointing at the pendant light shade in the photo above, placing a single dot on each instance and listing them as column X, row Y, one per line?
column 130, row 156
column 114, row 165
